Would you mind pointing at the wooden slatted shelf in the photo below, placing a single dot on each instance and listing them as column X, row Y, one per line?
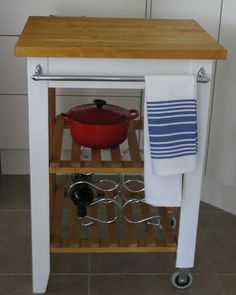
column 76, row 163
column 141, row 238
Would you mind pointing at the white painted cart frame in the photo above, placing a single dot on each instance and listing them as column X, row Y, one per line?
column 39, row 144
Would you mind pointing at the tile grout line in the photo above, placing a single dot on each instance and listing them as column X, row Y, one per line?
column 68, row 274
column 77, row 95
column 13, row 210
column 118, row 274
column 150, row 274
column 16, row 274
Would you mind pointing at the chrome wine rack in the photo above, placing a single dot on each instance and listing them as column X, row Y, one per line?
column 119, row 190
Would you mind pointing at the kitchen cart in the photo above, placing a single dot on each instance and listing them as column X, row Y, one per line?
column 81, row 52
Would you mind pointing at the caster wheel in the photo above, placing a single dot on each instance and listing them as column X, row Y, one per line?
column 182, row 279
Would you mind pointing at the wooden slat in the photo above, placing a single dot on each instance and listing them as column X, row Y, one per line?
column 133, row 145
column 169, row 235
column 57, row 217
column 52, row 183
column 141, row 243
column 131, row 229
column 115, row 157
column 93, row 229
column 96, row 157
column 138, row 124
column 149, row 230
column 84, row 244
column 75, row 154
column 65, row 168
column 111, row 228
column 123, row 248
column 57, row 143
column 104, row 244
column 74, row 227
column 123, row 243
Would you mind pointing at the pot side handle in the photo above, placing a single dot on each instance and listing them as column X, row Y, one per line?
column 64, row 117
column 133, row 114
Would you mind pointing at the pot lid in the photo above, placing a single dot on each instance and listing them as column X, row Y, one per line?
column 98, row 112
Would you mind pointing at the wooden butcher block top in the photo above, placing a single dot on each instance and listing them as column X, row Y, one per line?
column 52, row 36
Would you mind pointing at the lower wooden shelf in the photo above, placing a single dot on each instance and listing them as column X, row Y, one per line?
column 68, row 236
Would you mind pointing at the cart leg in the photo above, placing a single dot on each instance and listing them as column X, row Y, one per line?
column 188, row 222
column 193, row 181
column 39, row 177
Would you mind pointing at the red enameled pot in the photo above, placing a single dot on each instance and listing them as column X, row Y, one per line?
column 99, row 125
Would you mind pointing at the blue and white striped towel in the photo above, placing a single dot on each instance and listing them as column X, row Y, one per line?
column 170, row 137
column 160, row 191
column 172, row 123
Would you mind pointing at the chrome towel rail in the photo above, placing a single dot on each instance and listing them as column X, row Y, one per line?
column 38, row 76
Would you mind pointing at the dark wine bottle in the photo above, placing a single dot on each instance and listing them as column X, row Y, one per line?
column 82, row 196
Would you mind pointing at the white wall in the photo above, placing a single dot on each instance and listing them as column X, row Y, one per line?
column 220, row 181
column 205, row 12
column 14, row 13
column 221, row 159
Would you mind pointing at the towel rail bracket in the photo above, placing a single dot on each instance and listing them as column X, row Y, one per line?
column 38, row 76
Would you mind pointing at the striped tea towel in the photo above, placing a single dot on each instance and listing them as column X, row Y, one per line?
column 160, row 191
column 172, row 123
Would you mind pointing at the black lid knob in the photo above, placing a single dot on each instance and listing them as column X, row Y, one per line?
column 99, row 103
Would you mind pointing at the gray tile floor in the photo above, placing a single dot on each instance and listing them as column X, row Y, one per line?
column 102, row 274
